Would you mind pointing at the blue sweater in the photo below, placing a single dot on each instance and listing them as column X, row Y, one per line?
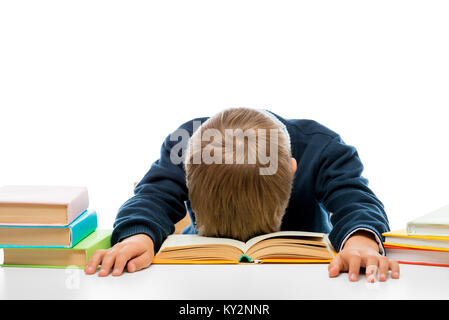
column 328, row 195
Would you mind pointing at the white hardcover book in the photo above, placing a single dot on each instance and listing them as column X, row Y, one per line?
column 42, row 205
column 435, row 223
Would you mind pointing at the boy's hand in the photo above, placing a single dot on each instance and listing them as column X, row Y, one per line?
column 137, row 251
column 362, row 250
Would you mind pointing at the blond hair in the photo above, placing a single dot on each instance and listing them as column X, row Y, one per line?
column 233, row 199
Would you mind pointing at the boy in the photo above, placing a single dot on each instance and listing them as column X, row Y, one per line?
column 246, row 172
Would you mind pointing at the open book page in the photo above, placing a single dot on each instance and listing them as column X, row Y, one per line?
column 285, row 249
column 182, row 240
column 306, row 237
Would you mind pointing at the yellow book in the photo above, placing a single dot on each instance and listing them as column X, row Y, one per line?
column 277, row 247
column 402, row 239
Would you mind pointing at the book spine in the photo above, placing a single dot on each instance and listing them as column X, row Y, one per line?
column 423, row 263
column 84, row 225
column 77, row 206
column 410, row 229
column 418, row 229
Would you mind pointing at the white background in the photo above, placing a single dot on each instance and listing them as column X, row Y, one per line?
column 89, row 89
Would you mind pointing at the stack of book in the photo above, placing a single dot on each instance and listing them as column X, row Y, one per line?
column 48, row 226
column 425, row 241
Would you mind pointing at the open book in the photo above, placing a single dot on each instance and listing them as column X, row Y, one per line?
column 277, row 247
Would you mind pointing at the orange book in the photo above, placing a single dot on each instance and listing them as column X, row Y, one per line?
column 418, row 255
column 277, row 247
column 417, row 249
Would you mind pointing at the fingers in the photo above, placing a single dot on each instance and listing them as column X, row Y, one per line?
column 115, row 258
column 107, row 263
column 125, row 253
column 383, row 268
column 347, row 261
column 381, row 265
column 394, row 267
column 141, row 262
column 336, row 266
column 94, row 261
column 372, row 265
column 354, row 266
column 376, row 265
column 120, row 261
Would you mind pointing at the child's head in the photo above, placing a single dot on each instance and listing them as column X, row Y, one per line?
column 239, row 172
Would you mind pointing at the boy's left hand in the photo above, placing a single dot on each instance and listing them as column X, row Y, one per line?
column 362, row 250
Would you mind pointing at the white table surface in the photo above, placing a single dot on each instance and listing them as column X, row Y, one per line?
column 299, row 281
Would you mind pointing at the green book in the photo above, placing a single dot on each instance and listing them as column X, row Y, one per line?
column 75, row 257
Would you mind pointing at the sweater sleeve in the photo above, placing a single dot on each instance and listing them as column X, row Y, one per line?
column 158, row 201
column 346, row 195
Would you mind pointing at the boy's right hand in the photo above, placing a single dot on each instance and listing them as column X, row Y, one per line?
column 135, row 252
